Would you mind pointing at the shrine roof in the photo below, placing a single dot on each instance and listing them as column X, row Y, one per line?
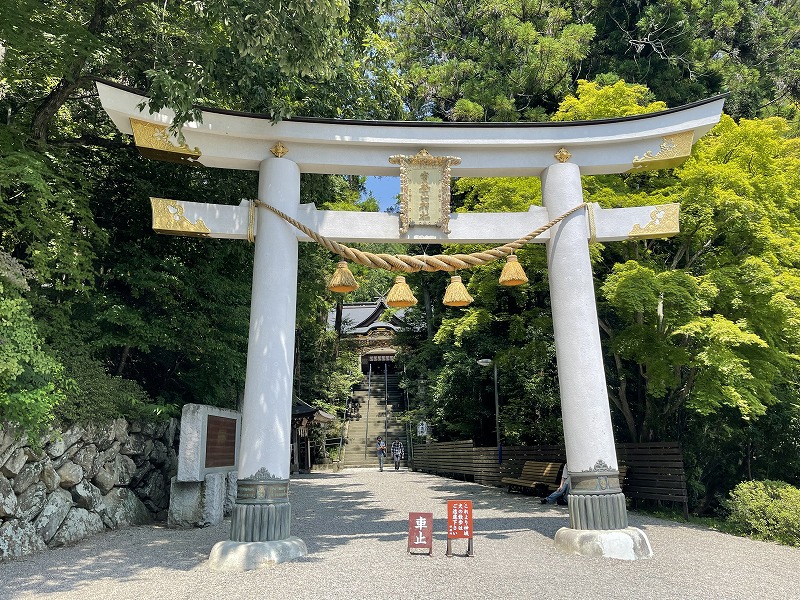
column 359, row 318
column 303, row 409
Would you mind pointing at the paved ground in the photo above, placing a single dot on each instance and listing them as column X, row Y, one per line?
column 355, row 525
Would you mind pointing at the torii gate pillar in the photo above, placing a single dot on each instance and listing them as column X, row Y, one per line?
column 598, row 518
column 260, row 524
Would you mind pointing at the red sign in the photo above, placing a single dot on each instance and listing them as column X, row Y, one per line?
column 459, row 519
column 420, row 531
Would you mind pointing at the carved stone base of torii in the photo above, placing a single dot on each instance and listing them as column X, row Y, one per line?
column 260, row 527
column 629, row 543
column 598, row 520
column 246, row 556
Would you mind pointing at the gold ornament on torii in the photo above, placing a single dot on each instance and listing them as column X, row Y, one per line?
column 424, row 189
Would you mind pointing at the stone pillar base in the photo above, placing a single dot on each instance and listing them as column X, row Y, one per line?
column 247, row 556
column 262, row 512
column 597, row 511
column 260, row 522
column 625, row 544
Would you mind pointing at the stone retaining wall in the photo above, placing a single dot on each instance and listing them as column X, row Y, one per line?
column 84, row 480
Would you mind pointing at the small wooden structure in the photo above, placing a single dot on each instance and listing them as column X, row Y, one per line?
column 304, row 417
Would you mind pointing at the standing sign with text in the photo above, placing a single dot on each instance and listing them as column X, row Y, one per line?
column 420, row 531
column 459, row 523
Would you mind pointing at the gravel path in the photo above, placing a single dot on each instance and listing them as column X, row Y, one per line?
column 355, row 525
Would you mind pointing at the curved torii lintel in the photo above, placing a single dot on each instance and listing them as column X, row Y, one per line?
column 236, row 140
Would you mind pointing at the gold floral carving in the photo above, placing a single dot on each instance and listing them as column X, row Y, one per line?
column 154, row 141
column 168, row 218
column 674, row 149
column 279, row 150
column 663, row 223
column 562, row 155
column 424, row 189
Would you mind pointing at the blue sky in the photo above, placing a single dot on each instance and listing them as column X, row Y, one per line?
column 385, row 189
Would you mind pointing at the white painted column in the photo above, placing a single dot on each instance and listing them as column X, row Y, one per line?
column 598, row 516
column 267, row 409
column 584, row 399
column 261, row 519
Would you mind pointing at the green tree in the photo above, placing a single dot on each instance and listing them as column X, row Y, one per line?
column 249, row 54
column 488, row 61
column 685, row 51
column 108, row 294
column 700, row 330
column 709, row 319
column 593, row 100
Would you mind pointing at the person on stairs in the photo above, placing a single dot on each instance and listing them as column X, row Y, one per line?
column 397, row 453
column 380, row 448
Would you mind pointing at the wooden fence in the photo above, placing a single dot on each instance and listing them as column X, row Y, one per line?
column 482, row 465
column 655, row 470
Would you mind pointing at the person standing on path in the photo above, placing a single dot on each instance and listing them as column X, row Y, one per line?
column 380, row 447
column 397, row 453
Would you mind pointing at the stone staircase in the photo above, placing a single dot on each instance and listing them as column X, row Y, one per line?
column 376, row 407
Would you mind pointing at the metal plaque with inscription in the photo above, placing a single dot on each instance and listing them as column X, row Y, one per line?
column 220, row 442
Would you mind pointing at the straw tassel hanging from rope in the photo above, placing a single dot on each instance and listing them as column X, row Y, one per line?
column 400, row 296
column 456, row 294
column 513, row 273
column 342, row 280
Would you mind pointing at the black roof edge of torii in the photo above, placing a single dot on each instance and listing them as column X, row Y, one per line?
column 467, row 124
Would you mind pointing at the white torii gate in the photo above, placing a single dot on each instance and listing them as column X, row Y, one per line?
column 558, row 153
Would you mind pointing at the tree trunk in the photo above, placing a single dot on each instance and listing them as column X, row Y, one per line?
column 426, row 298
column 623, row 405
column 621, row 399
column 338, row 326
column 123, row 361
column 50, row 106
column 71, row 80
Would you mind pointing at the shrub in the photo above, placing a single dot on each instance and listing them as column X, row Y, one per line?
column 30, row 377
column 95, row 396
column 767, row 510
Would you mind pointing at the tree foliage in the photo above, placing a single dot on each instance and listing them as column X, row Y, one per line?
column 488, row 61
column 710, row 318
column 686, row 51
column 122, row 317
column 699, row 331
column 31, row 381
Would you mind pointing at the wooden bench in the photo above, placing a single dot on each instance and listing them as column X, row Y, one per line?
column 535, row 475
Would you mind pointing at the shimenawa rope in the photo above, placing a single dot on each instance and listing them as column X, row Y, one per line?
column 412, row 264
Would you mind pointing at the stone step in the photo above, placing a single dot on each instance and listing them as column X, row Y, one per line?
column 387, row 466
column 380, row 405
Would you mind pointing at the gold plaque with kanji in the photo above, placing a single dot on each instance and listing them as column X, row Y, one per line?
column 424, row 190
